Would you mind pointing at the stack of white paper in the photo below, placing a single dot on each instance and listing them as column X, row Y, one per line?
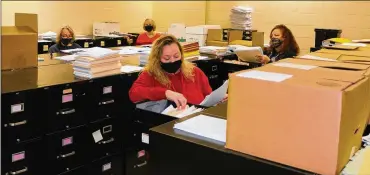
column 129, row 68
column 241, row 18
column 48, row 35
column 213, row 50
column 205, row 126
column 172, row 111
column 67, row 58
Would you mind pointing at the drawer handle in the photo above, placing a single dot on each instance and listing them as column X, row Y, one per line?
column 68, row 112
column 68, row 154
column 214, row 68
column 108, row 141
column 18, row 123
column 142, row 164
column 107, row 102
column 25, row 169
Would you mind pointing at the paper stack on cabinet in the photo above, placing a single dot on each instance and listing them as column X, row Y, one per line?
column 97, row 62
column 213, row 50
column 241, row 18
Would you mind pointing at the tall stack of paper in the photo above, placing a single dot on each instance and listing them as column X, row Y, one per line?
column 97, row 62
column 241, row 18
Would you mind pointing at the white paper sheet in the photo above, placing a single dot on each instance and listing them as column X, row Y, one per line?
column 311, row 57
column 355, row 44
column 97, row 136
column 205, row 126
column 267, row 76
column 128, row 68
column 67, row 58
column 296, row 66
column 216, row 96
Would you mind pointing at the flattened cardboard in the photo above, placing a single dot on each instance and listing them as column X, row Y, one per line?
column 306, row 122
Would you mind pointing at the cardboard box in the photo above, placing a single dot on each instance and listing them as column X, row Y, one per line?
column 199, row 33
column 301, row 120
column 326, row 56
column 105, row 28
column 215, row 35
column 217, row 43
column 178, row 30
column 359, row 53
column 19, row 43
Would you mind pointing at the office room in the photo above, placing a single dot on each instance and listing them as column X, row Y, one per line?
column 185, row 87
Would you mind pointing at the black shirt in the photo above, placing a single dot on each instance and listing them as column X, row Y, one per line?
column 56, row 48
column 275, row 56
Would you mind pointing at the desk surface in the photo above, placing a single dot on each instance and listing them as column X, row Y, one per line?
column 166, row 130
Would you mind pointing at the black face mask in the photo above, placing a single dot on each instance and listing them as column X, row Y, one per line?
column 148, row 28
column 66, row 41
column 276, row 42
column 171, row 67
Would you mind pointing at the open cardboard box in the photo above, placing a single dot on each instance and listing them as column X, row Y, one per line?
column 215, row 38
column 309, row 119
column 349, row 57
column 19, row 43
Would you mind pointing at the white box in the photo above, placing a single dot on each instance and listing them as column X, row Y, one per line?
column 178, row 30
column 105, row 28
column 201, row 29
column 201, row 39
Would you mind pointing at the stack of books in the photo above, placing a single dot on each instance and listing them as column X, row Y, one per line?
column 97, row 62
column 241, row 18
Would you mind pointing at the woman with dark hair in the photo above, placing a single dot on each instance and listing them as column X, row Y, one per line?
column 282, row 45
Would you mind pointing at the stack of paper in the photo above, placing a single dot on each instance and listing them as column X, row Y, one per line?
column 129, row 68
column 246, row 54
column 213, row 50
column 97, row 62
column 172, row 111
column 205, row 126
column 48, row 35
column 241, row 18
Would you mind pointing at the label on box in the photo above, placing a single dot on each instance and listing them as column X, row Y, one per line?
column 267, row 76
column 67, row 91
column 67, row 141
column 45, row 48
column 107, row 166
column 107, row 90
column 296, row 66
column 67, row 98
column 18, row 156
column 97, row 136
column 118, row 42
column 16, row 108
column 145, row 138
column 102, row 43
column 141, row 153
column 86, row 44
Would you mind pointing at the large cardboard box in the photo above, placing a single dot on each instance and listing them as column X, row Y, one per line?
column 336, row 56
column 358, row 52
column 19, row 43
column 302, row 120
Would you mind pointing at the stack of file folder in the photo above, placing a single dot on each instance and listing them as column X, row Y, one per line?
column 213, row 51
column 241, row 18
column 97, row 62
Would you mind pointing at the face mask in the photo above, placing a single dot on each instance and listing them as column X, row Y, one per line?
column 276, row 42
column 171, row 67
column 148, row 28
column 66, row 41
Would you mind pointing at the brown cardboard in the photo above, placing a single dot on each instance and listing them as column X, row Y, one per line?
column 214, row 35
column 361, row 53
column 235, row 35
column 26, row 19
column 217, row 43
column 305, row 121
column 258, row 39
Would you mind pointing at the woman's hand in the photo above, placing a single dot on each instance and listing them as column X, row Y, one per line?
column 263, row 59
column 178, row 98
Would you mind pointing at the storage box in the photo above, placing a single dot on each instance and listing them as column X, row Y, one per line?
column 178, row 30
column 301, row 120
column 199, row 33
column 19, row 43
column 105, row 28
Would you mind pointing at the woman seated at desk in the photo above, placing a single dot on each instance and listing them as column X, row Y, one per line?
column 65, row 40
column 168, row 76
column 282, row 45
column 149, row 36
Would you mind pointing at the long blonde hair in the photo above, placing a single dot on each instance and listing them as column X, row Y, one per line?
column 154, row 63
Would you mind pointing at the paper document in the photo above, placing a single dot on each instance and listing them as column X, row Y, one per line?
column 205, row 126
column 67, row 58
column 69, row 51
column 361, row 41
column 267, row 76
column 355, row 44
column 311, row 57
column 154, row 106
column 296, row 66
column 248, row 54
column 172, row 111
column 128, row 68
column 216, row 96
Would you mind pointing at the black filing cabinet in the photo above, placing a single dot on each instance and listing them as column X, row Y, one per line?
column 22, row 158
column 22, row 115
column 66, row 106
column 213, row 69
column 65, row 150
column 85, row 42
column 43, row 46
column 104, row 138
column 108, row 165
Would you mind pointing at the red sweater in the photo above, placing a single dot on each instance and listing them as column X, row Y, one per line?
column 147, row 88
column 144, row 39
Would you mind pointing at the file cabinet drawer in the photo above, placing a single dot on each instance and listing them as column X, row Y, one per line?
column 77, row 171
column 22, row 158
column 23, row 115
column 66, row 104
column 137, row 161
column 104, row 138
column 109, row 165
column 66, row 150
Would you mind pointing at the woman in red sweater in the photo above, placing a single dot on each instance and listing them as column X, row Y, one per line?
column 168, row 76
column 149, row 36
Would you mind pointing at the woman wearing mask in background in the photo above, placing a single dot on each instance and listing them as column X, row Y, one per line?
column 149, row 35
column 65, row 40
column 168, row 76
column 282, row 45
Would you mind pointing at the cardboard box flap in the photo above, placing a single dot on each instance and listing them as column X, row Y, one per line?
column 364, row 53
column 329, row 65
column 26, row 19
column 354, row 58
column 14, row 30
